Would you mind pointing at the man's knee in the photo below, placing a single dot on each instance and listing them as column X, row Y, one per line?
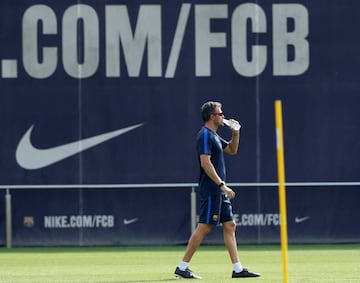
column 229, row 226
column 204, row 229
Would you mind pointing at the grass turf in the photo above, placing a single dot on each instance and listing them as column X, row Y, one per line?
column 307, row 264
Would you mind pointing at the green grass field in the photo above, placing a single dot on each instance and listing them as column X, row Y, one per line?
column 307, row 263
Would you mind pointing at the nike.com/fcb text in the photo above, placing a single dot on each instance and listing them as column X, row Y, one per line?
column 40, row 58
column 79, row 221
column 257, row 219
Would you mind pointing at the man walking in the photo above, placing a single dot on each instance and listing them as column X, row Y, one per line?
column 215, row 195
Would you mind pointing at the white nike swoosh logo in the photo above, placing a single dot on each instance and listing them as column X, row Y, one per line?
column 301, row 219
column 130, row 221
column 29, row 157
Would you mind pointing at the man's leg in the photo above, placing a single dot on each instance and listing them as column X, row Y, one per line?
column 230, row 240
column 182, row 270
column 195, row 240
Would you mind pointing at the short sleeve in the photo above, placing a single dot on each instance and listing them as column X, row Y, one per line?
column 204, row 144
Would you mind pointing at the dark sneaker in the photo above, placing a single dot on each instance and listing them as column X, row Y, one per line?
column 244, row 274
column 187, row 274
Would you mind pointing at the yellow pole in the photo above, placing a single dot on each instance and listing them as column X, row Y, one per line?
column 282, row 193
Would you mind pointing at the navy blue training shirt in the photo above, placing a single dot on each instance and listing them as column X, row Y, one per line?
column 210, row 143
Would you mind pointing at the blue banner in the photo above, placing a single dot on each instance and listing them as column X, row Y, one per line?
column 109, row 92
column 100, row 217
column 163, row 216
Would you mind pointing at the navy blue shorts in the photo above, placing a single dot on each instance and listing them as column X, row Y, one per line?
column 215, row 210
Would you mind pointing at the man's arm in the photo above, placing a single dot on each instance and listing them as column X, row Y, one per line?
column 209, row 169
column 233, row 145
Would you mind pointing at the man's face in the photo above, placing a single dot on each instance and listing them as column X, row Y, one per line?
column 218, row 116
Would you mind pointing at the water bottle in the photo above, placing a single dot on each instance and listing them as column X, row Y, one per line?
column 233, row 125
